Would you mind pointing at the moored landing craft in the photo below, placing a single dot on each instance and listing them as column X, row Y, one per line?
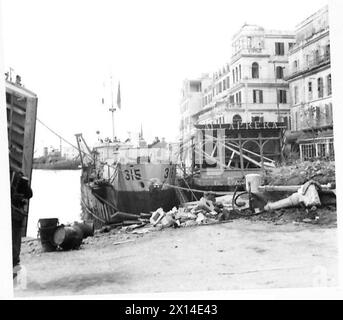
column 120, row 181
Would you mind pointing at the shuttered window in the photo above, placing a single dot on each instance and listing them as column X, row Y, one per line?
column 258, row 96
column 279, row 48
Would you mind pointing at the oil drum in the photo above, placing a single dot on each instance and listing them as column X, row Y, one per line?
column 68, row 238
column 46, row 230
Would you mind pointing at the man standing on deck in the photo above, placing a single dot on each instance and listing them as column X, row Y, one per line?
column 20, row 194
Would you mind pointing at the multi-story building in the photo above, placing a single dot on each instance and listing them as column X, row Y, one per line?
column 191, row 104
column 310, row 86
column 253, row 87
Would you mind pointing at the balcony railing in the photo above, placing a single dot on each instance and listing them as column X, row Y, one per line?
column 256, row 51
column 311, row 64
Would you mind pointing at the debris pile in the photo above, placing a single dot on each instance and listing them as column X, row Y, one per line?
column 322, row 172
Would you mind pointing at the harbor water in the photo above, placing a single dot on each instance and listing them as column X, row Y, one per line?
column 56, row 194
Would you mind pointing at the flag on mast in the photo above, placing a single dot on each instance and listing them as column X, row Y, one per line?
column 118, row 97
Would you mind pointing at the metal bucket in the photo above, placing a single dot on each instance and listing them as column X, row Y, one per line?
column 68, row 238
column 87, row 228
column 46, row 230
column 255, row 181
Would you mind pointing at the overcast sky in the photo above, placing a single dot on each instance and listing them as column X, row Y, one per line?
column 64, row 50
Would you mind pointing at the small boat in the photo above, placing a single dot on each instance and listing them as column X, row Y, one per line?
column 119, row 182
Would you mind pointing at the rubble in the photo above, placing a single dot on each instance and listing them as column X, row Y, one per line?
column 306, row 195
column 322, row 172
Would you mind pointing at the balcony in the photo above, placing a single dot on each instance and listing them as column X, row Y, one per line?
column 249, row 51
column 311, row 65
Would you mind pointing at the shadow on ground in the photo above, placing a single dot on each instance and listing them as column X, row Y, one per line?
column 76, row 283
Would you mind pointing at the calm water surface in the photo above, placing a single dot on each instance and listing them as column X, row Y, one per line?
column 56, row 194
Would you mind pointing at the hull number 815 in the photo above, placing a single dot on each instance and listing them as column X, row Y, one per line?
column 133, row 174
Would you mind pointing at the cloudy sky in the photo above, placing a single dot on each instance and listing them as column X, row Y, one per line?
column 65, row 50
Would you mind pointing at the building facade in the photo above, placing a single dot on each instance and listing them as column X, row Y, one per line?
column 310, row 87
column 190, row 106
column 252, row 88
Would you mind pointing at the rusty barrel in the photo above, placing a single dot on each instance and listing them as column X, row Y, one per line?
column 87, row 228
column 68, row 238
column 46, row 230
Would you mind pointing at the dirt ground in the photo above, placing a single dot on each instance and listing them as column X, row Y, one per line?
column 240, row 254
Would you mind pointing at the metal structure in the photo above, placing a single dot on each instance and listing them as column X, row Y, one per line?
column 21, row 106
column 221, row 152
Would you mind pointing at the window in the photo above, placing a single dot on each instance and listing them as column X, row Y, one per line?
column 308, row 61
column 291, row 45
column 321, row 147
column 258, row 96
column 232, row 99
column 237, row 119
column 236, row 74
column 224, row 84
column 327, row 51
column 279, row 73
column 296, row 95
column 255, row 70
column 249, row 42
column 320, row 88
column 238, row 98
column 316, row 56
column 310, row 90
column 240, row 72
column 329, row 85
column 233, row 76
column 228, row 82
column 295, row 66
column 279, row 48
column 8, row 98
column 286, row 121
column 282, row 96
column 308, row 151
column 257, row 119
column 331, row 150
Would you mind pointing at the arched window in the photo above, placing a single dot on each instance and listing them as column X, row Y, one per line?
column 255, row 70
column 295, row 65
column 279, row 73
column 237, row 119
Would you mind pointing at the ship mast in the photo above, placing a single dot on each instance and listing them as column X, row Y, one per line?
column 112, row 109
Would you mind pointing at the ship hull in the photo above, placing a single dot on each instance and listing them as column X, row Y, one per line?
column 145, row 202
column 125, row 199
